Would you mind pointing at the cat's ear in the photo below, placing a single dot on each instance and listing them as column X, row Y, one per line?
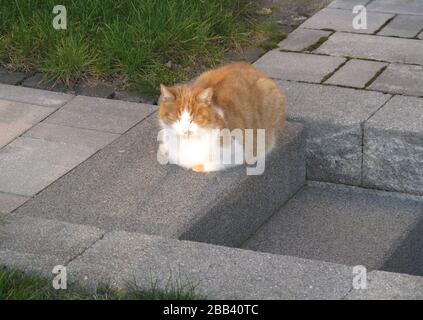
column 206, row 96
column 166, row 93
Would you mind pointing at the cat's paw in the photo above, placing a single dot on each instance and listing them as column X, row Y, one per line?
column 163, row 150
column 198, row 168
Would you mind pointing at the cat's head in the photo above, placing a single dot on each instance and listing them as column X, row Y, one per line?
column 188, row 110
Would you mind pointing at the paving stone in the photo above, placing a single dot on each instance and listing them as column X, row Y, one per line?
column 216, row 272
column 100, row 90
column 124, row 187
column 101, row 114
column 347, row 4
column 393, row 152
column 408, row 256
column 345, row 225
column 414, row 7
column 28, row 165
column 356, row 73
column 400, row 78
column 374, row 47
column 389, row 286
column 9, row 202
column 16, row 118
column 40, row 81
column 34, row 96
column 47, row 237
column 342, row 20
column 83, row 137
column 9, row 77
column 301, row 39
column 333, row 118
column 297, row 66
column 420, row 36
column 404, row 26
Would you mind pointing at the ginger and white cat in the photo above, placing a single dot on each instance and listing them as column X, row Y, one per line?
column 236, row 96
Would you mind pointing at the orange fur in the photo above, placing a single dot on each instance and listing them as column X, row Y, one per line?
column 247, row 97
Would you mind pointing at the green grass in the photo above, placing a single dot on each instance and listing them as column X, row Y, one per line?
column 15, row 285
column 132, row 40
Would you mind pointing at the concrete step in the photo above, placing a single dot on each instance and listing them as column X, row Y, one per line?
column 124, row 188
column 347, row 225
column 93, row 257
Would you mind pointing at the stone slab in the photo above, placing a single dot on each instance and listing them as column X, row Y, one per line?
column 12, row 78
column 16, row 118
column 393, row 148
column 420, row 36
column 34, row 96
column 83, row 137
column 124, row 187
column 389, row 286
column 394, row 6
column 342, row 20
column 216, row 272
column 101, row 114
column 402, row 79
column 374, row 47
column 408, row 257
column 41, row 81
column 301, row 39
column 347, row 4
column 9, row 202
column 356, row 73
column 297, row 66
column 28, row 165
column 345, row 225
column 100, row 89
column 45, row 237
column 403, row 26
column 333, row 118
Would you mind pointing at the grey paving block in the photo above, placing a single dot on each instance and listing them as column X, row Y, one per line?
column 16, row 118
column 8, row 77
column 356, row 73
column 374, row 47
column 123, row 187
column 345, row 225
column 333, row 117
column 28, row 165
column 100, row 89
column 394, row 6
column 393, row 153
column 297, row 66
column 9, row 202
column 83, row 137
column 408, row 257
column 400, row 78
column 404, row 26
column 101, row 114
column 61, row 240
column 34, row 96
column 342, row 20
column 389, row 286
column 216, row 272
column 420, row 36
column 347, row 4
column 29, row 263
column 41, row 81
column 301, row 39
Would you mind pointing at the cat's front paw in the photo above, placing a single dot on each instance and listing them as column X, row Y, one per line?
column 198, row 168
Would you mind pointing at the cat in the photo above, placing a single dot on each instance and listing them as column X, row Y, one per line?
column 235, row 96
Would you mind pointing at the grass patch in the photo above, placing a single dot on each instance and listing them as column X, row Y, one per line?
column 16, row 285
column 130, row 39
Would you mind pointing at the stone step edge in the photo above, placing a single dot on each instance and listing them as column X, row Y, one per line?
column 215, row 272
